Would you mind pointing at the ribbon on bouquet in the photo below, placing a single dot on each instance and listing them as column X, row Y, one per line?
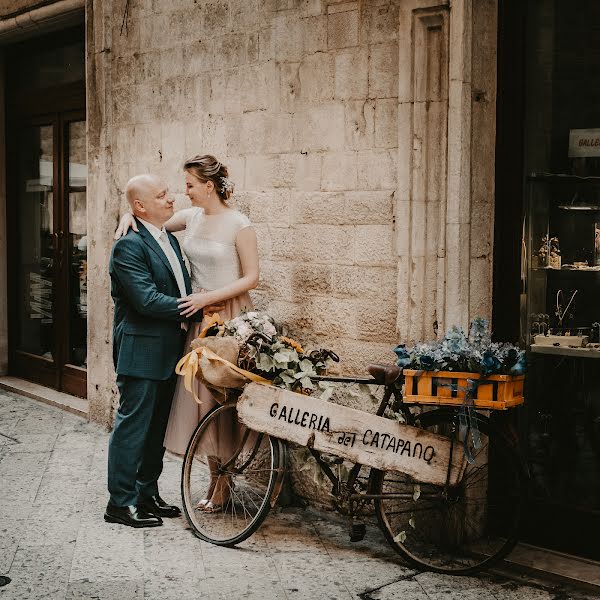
column 214, row 319
column 189, row 365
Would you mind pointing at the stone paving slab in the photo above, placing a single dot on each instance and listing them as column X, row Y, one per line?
column 55, row 544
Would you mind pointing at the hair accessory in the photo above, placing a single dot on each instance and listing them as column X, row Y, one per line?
column 226, row 185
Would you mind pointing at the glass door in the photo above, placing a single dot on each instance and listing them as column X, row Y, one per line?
column 46, row 210
column 49, row 253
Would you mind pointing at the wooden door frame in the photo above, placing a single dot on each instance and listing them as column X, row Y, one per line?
column 509, row 177
column 56, row 106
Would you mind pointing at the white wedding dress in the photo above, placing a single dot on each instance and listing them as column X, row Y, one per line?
column 209, row 245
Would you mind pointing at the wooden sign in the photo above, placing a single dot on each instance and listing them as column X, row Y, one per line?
column 349, row 433
column 584, row 142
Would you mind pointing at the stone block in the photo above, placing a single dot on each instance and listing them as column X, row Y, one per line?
column 379, row 23
column 373, row 245
column 376, row 170
column 376, row 319
column 193, row 138
column 232, row 104
column 148, row 67
column 125, row 69
column 311, row 8
column 480, row 283
column 289, row 86
column 369, row 208
column 198, row 56
column 252, row 47
column 314, row 34
column 308, row 168
column 320, row 128
column 310, row 279
column 339, row 171
column 351, row 74
column 176, row 27
column 360, row 124
column 171, row 63
column 316, row 78
column 261, row 172
column 172, row 133
column 202, row 93
column 214, row 133
column 314, row 243
column 386, row 123
column 281, row 39
column 333, row 317
column 364, row 282
column 342, row 29
column 235, row 164
column 276, row 278
column 245, row 16
column 383, row 71
column 268, row 207
column 122, row 105
column 319, row 208
column 230, row 50
column 259, row 87
column 122, row 146
column 216, row 16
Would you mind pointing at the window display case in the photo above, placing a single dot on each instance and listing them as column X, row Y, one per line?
column 560, row 326
column 561, row 264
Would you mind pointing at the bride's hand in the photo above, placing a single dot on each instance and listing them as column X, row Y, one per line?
column 191, row 304
column 125, row 223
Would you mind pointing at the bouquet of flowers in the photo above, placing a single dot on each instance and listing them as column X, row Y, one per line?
column 475, row 353
column 265, row 351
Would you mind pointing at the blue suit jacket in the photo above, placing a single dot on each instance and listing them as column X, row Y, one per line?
column 147, row 336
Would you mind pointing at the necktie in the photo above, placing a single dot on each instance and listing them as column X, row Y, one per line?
column 175, row 266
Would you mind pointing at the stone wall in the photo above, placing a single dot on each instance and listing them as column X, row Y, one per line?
column 299, row 99
column 360, row 136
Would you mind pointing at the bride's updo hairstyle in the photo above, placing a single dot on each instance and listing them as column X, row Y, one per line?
column 208, row 168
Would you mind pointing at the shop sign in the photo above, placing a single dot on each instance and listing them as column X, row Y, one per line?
column 351, row 434
column 584, row 142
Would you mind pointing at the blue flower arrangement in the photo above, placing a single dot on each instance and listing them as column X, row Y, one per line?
column 475, row 353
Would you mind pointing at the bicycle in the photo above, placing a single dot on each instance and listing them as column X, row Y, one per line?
column 456, row 529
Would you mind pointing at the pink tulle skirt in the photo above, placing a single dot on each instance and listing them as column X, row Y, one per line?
column 186, row 413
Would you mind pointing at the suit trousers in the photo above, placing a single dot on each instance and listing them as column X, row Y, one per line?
column 136, row 446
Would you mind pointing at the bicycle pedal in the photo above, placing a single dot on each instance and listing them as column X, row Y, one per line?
column 357, row 532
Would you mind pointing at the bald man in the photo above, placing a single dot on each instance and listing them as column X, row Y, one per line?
column 148, row 276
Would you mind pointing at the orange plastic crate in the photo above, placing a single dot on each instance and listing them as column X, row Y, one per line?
column 448, row 388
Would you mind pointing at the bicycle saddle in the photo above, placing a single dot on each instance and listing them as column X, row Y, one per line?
column 384, row 374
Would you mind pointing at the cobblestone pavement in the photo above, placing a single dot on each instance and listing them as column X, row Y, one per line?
column 55, row 544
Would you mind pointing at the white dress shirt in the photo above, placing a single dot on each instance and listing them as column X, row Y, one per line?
column 160, row 235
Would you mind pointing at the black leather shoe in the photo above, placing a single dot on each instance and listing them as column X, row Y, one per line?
column 132, row 516
column 157, row 506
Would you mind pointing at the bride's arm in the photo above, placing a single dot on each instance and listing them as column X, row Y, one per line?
column 247, row 249
column 176, row 223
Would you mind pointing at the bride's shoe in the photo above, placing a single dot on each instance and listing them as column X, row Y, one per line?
column 221, row 496
column 213, row 463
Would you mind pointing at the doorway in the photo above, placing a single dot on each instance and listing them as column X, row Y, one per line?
column 46, row 200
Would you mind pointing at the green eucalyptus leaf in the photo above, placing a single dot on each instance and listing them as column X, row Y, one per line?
column 306, row 383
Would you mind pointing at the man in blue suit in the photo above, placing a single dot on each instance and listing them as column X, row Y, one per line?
column 148, row 276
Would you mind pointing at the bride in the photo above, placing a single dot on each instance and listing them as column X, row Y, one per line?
column 220, row 244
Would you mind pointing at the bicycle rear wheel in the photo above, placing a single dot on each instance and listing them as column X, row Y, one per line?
column 246, row 470
column 461, row 529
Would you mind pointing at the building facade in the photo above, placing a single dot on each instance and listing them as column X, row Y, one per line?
column 360, row 136
column 383, row 150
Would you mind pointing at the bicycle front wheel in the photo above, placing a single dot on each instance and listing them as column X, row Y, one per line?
column 235, row 467
column 464, row 528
